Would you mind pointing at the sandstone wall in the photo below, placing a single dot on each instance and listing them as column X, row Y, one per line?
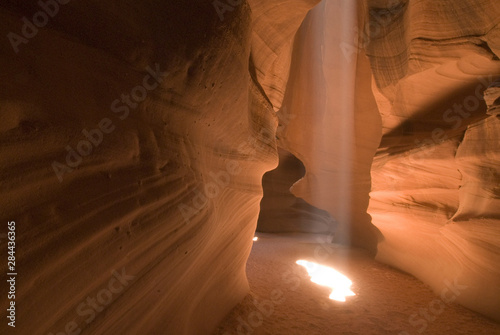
column 134, row 137
column 435, row 176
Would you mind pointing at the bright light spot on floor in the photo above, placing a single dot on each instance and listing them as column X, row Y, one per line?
column 255, row 238
column 326, row 276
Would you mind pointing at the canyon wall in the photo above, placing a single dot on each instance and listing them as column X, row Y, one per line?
column 386, row 97
column 436, row 173
column 134, row 136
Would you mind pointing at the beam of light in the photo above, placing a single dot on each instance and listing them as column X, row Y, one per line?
column 326, row 276
column 328, row 103
column 255, row 238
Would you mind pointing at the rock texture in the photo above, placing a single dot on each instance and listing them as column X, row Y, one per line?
column 166, row 198
column 134, row 137
column 407, row 77
column 436, row 173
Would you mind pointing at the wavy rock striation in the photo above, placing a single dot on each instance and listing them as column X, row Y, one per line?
column 134, row 137
column 436, row 173
column 407, row 77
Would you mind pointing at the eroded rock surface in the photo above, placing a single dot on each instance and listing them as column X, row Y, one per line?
column 134, row 137
column 436, row 173
column 407, row 77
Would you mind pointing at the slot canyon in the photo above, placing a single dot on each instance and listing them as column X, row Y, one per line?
column 201, row 167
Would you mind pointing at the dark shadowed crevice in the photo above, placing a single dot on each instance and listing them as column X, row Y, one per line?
column 280, row 210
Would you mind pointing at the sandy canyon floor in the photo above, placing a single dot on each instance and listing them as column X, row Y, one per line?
column 283, row 300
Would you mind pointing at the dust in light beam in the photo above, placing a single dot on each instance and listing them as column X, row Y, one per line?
column 326, row 276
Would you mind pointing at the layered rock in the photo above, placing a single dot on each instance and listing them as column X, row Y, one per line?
column 134, row 138
column 435, row 176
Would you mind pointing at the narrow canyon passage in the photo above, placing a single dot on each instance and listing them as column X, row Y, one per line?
column 283, row 301
column 135, row 137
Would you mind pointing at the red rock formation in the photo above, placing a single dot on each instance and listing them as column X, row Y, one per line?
column 134, row 136
column 163, row 181
column 434, row 190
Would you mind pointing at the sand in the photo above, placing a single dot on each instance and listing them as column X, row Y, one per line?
column 387, row 301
